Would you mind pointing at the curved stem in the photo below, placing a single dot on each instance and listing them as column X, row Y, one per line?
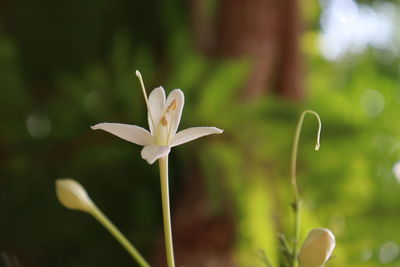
column 166, row 211
column 293, row 179
column 96, row 212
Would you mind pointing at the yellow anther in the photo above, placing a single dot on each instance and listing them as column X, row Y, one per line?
column 164, row 121
column 171, row 106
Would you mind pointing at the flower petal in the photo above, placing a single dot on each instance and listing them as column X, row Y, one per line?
column 193, row 133
column 156, row 106
column 179, row 97
column 131, row 133
column 153, row 153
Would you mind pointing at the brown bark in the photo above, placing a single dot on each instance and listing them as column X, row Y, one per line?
column 266, row 31
column 5, row 16
column 202, row 238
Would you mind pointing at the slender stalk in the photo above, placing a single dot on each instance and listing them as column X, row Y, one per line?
column 98, row 214
column 297, row 201
column 166, row 211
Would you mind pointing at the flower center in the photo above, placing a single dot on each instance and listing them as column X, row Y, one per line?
column 164, row 127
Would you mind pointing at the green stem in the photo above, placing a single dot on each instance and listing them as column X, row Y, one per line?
column 96, row 212
column 166, row 211
column 293, row 179
column 264, row 258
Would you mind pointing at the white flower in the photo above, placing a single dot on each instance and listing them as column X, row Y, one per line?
column 72, row 195
column 164, row 115
column 317, row 248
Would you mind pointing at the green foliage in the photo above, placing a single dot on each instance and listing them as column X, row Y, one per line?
column 348, row 186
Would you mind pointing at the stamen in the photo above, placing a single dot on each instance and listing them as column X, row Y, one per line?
column 164, row 121
column 171, row 106
column 139, row 75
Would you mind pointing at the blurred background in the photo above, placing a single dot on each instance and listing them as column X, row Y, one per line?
column 248, row 67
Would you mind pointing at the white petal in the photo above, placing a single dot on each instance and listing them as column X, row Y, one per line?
column 131, row 133
column 179, row 97
column 153, row 153
column 193, row 133
column 156, row 106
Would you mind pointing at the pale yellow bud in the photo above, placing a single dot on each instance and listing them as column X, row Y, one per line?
column 72, row 195
column 317, row 248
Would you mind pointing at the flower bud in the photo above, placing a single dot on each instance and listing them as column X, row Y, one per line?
column 317, row 248
column 72, row 195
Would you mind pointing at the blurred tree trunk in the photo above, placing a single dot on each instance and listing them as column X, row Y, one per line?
column 266, row 31
column 202, row 238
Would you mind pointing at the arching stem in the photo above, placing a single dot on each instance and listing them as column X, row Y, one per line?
column 293, row 178
column 96, row 213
